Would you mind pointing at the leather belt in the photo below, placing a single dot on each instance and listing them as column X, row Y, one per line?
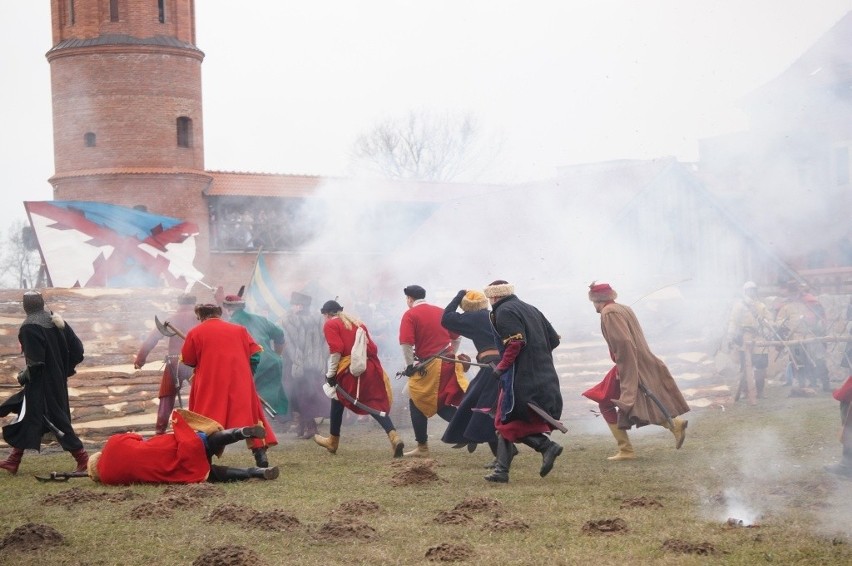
column 486, row 353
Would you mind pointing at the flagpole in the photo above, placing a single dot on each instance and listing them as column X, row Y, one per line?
column 254, row 268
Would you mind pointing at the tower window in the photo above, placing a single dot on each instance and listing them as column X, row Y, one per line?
column 113, row 10
column 72, row 17
column 161, row 6
column 184, row 131
column 89, row 139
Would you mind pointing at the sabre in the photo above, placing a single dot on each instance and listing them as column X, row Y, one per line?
column 343, row 393
column 657, row 403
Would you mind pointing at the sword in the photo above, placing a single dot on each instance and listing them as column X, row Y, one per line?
column 546, row 416
column 62, row 476
column 343, row 393
column 657, row 403
column 420, row 368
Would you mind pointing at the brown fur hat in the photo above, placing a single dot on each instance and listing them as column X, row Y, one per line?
column 499, row 288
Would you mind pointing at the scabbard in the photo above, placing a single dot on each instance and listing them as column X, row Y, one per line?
column 546, row 416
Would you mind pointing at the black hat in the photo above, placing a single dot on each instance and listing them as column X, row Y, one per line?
column 297, row 298
column 416, row 292
column 331, row 307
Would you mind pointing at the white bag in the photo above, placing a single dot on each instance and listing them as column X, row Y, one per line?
column 358, row 357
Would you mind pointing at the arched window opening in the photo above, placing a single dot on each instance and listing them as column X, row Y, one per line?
column 72, row 16
column 184, row 131
column 89, row 139
column 113, row 10
column 161, row 6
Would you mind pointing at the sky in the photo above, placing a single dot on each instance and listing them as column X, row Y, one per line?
column 288, row 86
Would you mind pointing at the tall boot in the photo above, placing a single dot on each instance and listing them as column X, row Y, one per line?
column 492, row 444
column 11, row 463
column 218, row 440
column 82, row 458
column 500, row 473
column 548, row 449
column 397, row 446
column 625, row 449
column 260, row 457
column 422, row 451
column 226, row 474
column 678, row 430
column 330, row 442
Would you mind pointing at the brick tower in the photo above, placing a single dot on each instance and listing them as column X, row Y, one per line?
column 127, row 113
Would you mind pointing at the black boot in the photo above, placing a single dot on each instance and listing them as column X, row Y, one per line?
column 548, row 449
column 260, row 457
column 218, row 440
column 505, row 454
column 226, row 474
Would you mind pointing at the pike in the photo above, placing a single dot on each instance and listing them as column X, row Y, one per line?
column 168, row 329
column 62, row 476
column 458, row 361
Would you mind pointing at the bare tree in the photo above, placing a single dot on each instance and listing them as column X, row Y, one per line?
column 20, row 261
column 423, row 146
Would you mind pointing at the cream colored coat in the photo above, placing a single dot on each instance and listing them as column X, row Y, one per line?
column 636, row 363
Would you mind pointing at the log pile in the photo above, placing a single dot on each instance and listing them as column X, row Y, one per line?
column 107, row 395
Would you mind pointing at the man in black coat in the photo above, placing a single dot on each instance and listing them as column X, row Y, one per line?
column 52, row 351
column 527, row 377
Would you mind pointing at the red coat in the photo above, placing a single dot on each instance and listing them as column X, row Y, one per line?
column 373, row 390
column 166, row 458
column 223, row 388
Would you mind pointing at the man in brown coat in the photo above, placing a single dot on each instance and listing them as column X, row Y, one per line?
column 639, row 390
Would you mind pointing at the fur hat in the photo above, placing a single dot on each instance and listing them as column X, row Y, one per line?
column 499, row 288
column 234, row 301
column 186, row 299
column 297, row 298
column 92, row 466
column 416, row 292
column 601, row 292
column 330, row 307
column 474, row 301
column 33, row 302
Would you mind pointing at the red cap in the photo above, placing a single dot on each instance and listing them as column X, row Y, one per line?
column 601, row 292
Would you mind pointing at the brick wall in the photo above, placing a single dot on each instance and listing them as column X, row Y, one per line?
column 138, row 18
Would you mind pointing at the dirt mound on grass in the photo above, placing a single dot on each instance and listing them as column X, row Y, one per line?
column 230, row 513
column 228, row 555
column 164, row 506
column 275, row 520
column 76, row 495
column 684, row 547
column 348, row 529
column 605, row 526
column 415, row 473
column 357, row 507
column 31, row 536
column 642, row 501
column 452, row 518
column 499, row 524
column 477, row 504
column 446, row 552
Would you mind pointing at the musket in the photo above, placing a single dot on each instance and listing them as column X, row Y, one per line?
column 458, row 361
column 62, row 476
column 421, row 367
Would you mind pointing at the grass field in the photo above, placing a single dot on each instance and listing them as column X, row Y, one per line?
column 760, row 466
